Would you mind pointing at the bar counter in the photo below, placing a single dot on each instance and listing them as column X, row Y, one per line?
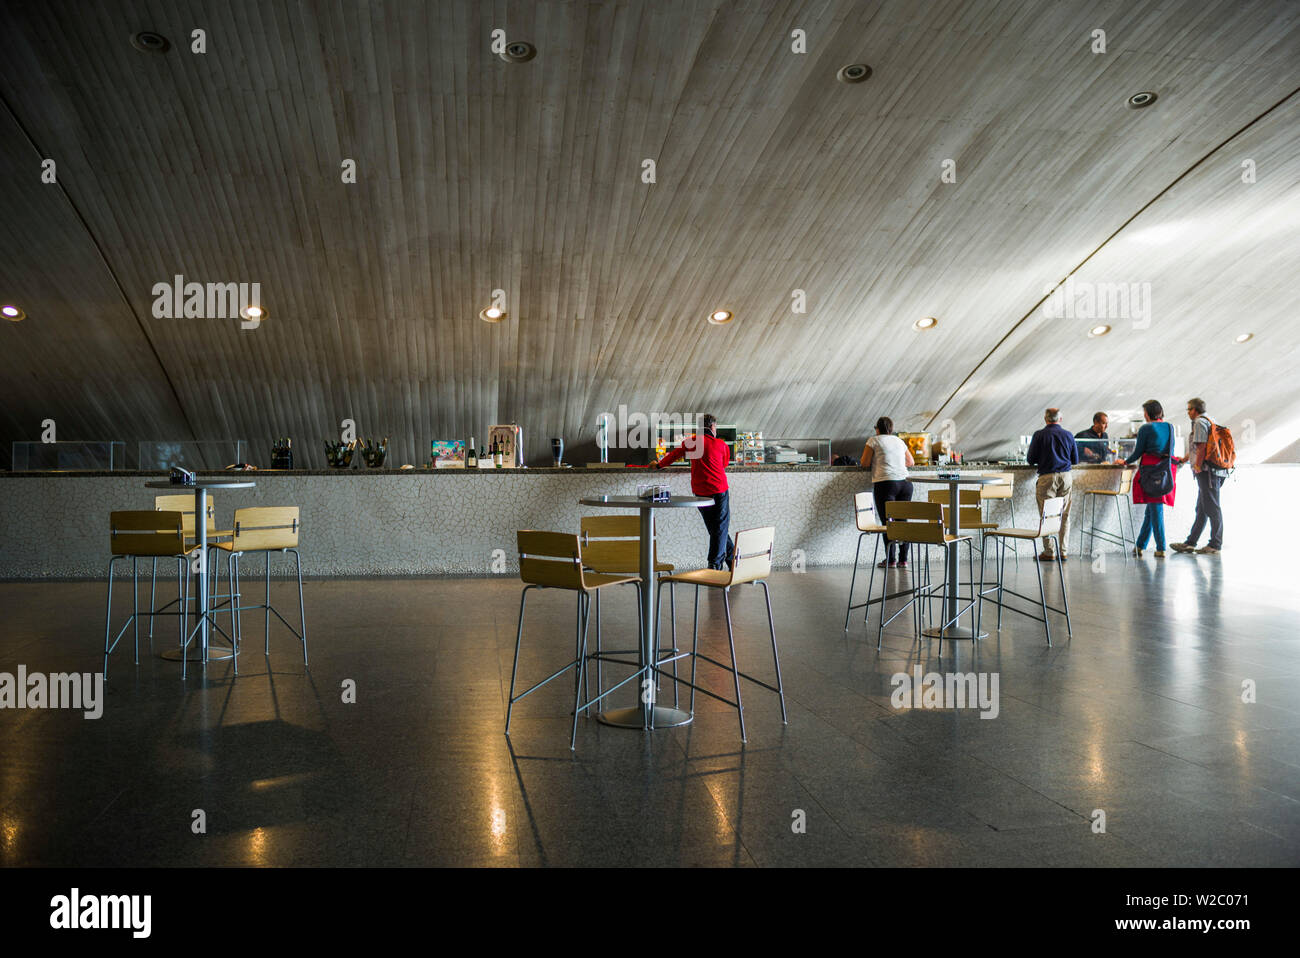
column 389, row 522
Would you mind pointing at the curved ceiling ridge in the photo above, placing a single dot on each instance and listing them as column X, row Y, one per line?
column 1100, row 246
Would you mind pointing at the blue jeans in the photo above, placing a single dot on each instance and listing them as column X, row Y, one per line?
column 1153, row 520
column 717, row 519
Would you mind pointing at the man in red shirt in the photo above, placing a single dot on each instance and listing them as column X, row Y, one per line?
column 709, row 478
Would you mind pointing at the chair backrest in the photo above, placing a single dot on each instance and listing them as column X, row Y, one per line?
column 753, row 559
column 551, row 559
column 266, row 527
column 184, row 504
column 864, row 511
column 969, row 517
column 967, row 497
column 920, row 522
column 146, row 532
column 1050, row 523
column 1126, row 482
column 997, row 490
column 612, row 544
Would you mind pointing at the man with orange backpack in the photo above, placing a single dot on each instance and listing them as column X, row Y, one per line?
column 1213, row 456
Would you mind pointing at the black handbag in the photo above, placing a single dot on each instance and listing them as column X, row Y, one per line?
column 1157, row 479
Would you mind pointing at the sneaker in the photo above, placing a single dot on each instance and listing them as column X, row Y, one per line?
column 1048, row 557
column 1207, row 551
column 1064, row 558
column 1183, row 547
column 1137, row 553
column 884, row 564
column 902, row 564
column 1160, row 553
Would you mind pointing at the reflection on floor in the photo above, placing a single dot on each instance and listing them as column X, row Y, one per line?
column 1140, row 716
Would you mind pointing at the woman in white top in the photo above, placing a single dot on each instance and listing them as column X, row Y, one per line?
column 888, row 458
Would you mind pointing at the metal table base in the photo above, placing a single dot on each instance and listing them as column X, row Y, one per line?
column 665, row 716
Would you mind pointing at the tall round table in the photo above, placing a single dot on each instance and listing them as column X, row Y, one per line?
column 201, row 487
column 954, row 631
column 647, row 715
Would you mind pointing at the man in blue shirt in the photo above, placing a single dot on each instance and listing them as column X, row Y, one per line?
column 1053, row 450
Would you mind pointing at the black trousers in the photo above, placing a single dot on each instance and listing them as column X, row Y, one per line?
column 1207, row 509
column 895, row 490
column 717, row 519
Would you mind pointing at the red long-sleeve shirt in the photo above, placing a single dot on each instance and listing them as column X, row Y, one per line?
column 709, row 469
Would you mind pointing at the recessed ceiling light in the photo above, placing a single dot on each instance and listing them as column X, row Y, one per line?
column 150, row 42
column 253, row 312
column 1101, row 330
column 1245, row 338
column 519, row 51
column 720, row 317
column 13, row 313
column 853, row 73
column 925, row 322
column 1138, row 100
column 492, row 314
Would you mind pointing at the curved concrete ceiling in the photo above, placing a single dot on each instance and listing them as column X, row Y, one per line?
column 474, row 174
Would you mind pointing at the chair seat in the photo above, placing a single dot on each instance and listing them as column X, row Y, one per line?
column 979, row 525
column 1103, row 492
column 1016, row 533
column 872, row 528
column 214, row 534
column 611, row 570
column 598, row 580
column 949, row 537
column 715, row 578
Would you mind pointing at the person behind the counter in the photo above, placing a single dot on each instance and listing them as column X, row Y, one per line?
column 1093, row 441
column 709, row 479
column 888, row 458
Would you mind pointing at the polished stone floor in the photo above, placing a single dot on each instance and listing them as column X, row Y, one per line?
column 1139, row 716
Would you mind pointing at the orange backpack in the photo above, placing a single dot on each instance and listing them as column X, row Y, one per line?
column 1219, row 448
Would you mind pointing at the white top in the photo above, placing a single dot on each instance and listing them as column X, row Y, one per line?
column 888, row 458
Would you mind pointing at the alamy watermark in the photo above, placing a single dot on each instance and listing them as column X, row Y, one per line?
column 58, row 690
column 953, row 690
column 639, row 430
column 1081, row 300
column 181, row 300
column 75, row 911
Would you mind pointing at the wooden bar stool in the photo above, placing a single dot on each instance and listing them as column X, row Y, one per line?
column 1124, row 491
column 264, row 529
column 922, row 524
column 971, row 517
column 753, row 563
column 612, row 545
column 1049, row 527
column 864, row 518
column 554, row 560
column 184, row 504
column 138, row 534
column 1000, row 490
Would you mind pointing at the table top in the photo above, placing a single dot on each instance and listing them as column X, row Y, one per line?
column 632, row 502
column 963, row 480
column 201, row 484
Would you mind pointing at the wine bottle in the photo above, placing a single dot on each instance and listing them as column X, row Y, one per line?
column 496, row 454
column 471, row 458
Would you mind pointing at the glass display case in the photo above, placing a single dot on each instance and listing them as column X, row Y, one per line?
column 796, row 452
column 748, row 450
column 67, row 456
column 919, row 444
column 213, row 454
